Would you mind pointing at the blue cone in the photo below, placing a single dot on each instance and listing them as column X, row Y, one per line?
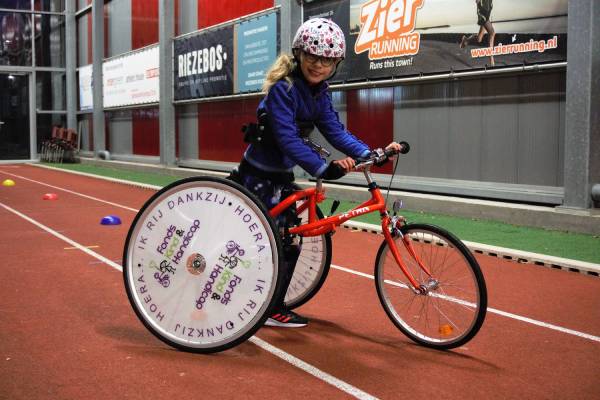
column 111, row 220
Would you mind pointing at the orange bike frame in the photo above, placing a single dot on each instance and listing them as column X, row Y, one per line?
column 316, row 227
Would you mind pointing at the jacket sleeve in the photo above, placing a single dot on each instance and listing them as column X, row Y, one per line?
column 334, row 131
column 281, row 105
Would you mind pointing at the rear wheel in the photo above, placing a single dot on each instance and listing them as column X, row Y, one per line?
column 311, row 269
column 451, row 309
column 201, row 264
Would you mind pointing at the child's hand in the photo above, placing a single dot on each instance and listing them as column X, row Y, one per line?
column 395, row 146
column 347, row 164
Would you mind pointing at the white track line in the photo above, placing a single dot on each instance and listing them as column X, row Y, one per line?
column 71, row 192
column 296, row 362
column 324, row 376
column 492, row 310
column 499, row 312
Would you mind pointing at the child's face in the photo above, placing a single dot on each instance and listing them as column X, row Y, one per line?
column 315, row 69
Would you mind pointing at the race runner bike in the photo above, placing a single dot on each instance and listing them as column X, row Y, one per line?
column 202, row 268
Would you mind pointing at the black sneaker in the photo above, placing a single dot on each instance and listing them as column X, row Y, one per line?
column 286, row 319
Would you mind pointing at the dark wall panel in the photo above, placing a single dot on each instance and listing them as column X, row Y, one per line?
column 539, row 137
column 219, row 128
column 464, row 131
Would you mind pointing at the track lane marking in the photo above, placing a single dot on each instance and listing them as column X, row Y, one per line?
column 294, row 361
column 72, row 192
column 364, row 275
column 76, row 248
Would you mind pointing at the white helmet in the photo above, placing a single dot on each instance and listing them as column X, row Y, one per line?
column 321, row 37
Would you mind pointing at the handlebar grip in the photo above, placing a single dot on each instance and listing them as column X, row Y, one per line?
column 405, row 149
column 388, row 153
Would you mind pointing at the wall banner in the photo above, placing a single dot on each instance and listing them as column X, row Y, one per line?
column 203, row 64
column 257, row 44
column 131, row 79
column 390, row 38
column 227, row 60
column 86, row 97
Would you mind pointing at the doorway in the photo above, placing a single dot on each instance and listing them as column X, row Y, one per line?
column 14, row 117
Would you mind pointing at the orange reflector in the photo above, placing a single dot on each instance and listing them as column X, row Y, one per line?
column 445, row 330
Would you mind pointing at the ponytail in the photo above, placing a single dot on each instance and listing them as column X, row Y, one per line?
column 281, row 69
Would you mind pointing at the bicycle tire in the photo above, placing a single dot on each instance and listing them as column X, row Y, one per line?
column 311, row 269
column 201, row 264
column 453, row 310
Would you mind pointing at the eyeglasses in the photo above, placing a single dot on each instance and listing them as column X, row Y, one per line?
column 325, row 61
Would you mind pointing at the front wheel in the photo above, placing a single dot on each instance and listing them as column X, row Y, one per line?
column 450, row 309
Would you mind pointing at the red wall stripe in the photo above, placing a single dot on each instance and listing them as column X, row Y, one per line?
column 176, row 30
column 219, row 123
column 219, row 128
column 90, row 57
column 370, row 116
column 144, row 23
column 144, row 123
column 145, row 131
column 211, row 12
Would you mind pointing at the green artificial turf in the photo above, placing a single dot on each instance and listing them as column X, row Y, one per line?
column 556, row 243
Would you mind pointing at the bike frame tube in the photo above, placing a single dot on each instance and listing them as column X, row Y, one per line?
column 315, row 227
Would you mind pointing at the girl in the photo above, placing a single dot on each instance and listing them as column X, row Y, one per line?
column 296, row 98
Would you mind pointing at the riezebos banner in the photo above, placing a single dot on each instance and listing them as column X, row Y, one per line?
column 388, row 38
column 204, row 64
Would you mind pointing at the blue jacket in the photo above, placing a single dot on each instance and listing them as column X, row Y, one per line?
column 284, row 106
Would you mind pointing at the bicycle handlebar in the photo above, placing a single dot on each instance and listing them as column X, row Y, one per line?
column 380, row 155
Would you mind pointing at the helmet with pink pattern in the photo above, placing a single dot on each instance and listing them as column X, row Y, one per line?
column 321, row 37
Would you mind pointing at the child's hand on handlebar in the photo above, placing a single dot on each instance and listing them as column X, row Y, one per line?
column 338, row 168
column 347, row 164
column 395, row 146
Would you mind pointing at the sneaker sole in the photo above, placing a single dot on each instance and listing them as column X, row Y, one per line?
column 272, row 322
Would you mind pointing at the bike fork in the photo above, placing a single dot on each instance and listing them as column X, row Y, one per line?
column 389, row 238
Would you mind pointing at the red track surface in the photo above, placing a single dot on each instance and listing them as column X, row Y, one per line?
column 67, row 330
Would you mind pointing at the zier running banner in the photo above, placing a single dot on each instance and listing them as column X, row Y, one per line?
column 387, row 38
column 227, row 60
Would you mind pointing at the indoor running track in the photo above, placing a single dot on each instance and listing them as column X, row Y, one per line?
column 67, row 330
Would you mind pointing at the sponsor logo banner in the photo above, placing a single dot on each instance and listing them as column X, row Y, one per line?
column 389, row 38
column 257, row 47
column 86, row 97
column 131, row 79
column 204, row 64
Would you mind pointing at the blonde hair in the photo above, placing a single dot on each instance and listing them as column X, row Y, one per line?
column 281, row 69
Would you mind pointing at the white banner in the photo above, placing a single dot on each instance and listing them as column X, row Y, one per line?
column 131, row 79
column 86, row 98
